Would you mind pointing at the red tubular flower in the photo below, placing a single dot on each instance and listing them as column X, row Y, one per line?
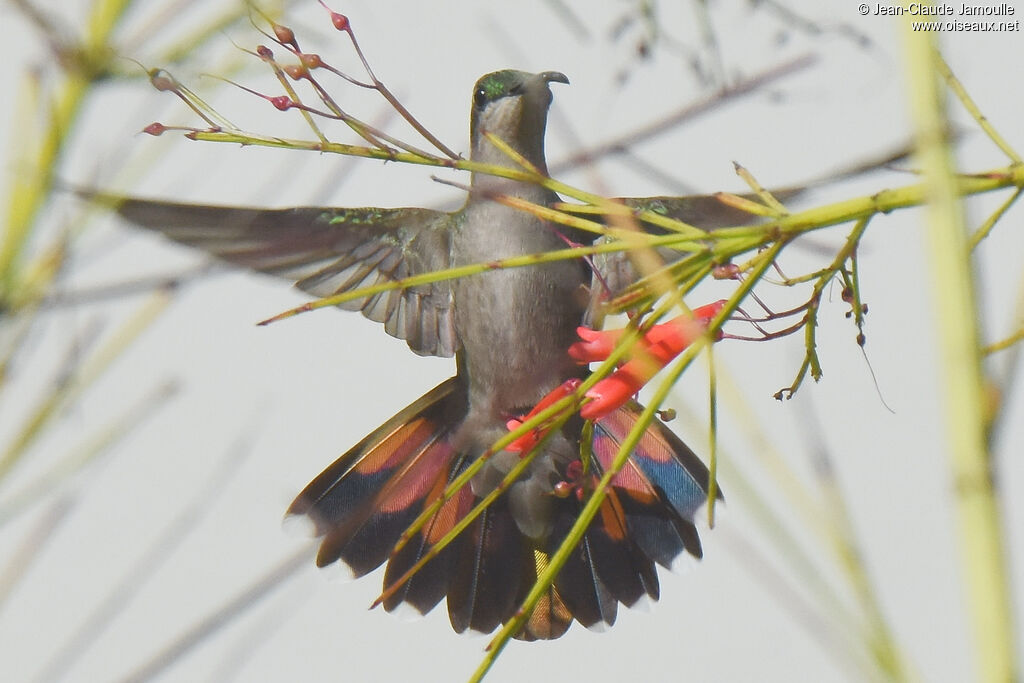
column 596, row 345
column 528, row 440
column 648, row 356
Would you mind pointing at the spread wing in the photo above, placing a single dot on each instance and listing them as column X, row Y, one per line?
column 706, row 212
column 326, row 251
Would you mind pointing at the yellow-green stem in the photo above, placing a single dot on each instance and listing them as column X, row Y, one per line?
column 977, row 511
column 29, row 189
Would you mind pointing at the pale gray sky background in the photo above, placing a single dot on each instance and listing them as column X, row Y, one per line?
column 305, row 390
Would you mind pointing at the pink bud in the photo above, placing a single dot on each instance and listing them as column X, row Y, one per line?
column 264, row 52
column 296, row 71
column 284, row 34
column 340, row 21
column 562, row 489
column 155, row 128
column 282, row 102
column 726, row 271
column 311, row 61
column 574, row 470
column 162, row 80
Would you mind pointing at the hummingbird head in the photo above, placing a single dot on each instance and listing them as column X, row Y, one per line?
column 512, row 105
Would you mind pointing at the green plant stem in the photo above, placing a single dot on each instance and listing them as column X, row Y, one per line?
column 877, row 636
column 712, row 437
column 982, row 232
column 1004, row 344
column 29, row 189
column 473, row 269
column 961, row 93
column 980, row 526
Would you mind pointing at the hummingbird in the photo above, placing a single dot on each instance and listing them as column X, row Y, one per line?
column 509, row 330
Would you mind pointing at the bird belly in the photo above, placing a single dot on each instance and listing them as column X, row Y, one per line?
column 515, row 328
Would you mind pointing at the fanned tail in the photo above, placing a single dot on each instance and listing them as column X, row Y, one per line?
column 364, row 501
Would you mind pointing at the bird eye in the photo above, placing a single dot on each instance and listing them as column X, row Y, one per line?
column 480, row 97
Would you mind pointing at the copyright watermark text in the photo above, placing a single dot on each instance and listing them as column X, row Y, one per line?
column 949, row 16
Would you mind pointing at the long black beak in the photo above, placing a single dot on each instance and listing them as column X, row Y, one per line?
column 554, row 77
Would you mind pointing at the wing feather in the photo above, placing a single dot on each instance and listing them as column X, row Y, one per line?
column 325, row 251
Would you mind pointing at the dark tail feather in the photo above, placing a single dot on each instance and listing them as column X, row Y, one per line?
column 623, row 568
column 606, row 568
column 428, row 586
column 363, row 502
column 483, row 590
column 581, row 587
column 661, row 487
